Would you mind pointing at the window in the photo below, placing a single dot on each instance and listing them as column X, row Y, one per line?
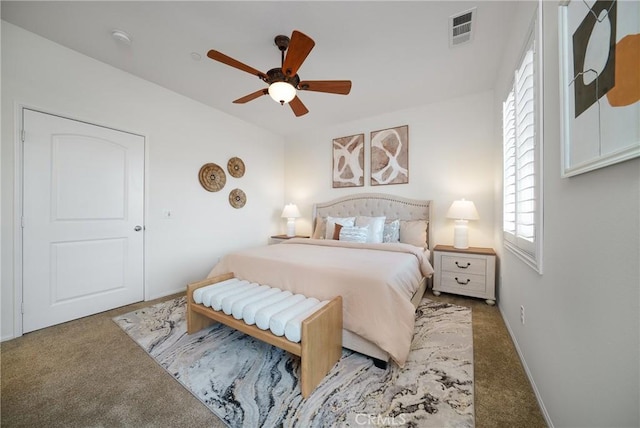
column 522, row 160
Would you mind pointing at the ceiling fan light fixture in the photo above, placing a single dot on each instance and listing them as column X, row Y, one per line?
column 282, row 92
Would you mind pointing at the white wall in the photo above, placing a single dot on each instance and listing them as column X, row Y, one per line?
column 181, row 135
column 450, row 157
column 581, row 339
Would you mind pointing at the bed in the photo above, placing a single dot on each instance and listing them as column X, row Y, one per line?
column 381, row 283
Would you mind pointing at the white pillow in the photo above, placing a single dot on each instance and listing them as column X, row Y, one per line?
column 331, row 224
column 354, row 234
column 376, row 227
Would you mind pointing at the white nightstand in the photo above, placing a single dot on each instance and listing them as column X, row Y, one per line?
column 276, row 239
column 469, row 272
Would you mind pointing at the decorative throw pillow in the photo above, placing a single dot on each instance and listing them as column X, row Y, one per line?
column 354, row 234
column 321, row 228
column 376, row 227
column 336, row 231
column 391, row 232
column 332, row 221
column 414, row 232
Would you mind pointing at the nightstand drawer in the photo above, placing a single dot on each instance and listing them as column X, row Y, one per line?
column 465, row 265
column 463, row 281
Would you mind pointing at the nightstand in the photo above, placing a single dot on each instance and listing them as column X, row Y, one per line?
column 276, row 239
column 469, row 272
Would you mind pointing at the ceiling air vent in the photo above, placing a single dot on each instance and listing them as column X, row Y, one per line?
column 461, row 28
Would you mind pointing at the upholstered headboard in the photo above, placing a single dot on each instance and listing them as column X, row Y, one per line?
column 375, row 204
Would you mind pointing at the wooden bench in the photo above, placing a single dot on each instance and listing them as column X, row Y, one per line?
column 320, row 346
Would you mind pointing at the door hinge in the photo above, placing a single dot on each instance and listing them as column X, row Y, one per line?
column 22, row 222
column 22, row 307
column 22, row 135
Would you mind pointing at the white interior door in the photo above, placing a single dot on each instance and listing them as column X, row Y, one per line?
column 83, row 234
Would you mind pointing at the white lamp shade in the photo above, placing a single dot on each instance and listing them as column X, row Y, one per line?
column 290, row 211
column 463, row 210
column 282, row 92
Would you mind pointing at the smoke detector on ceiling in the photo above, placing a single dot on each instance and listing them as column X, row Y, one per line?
column 461, row 27
column 121, row 37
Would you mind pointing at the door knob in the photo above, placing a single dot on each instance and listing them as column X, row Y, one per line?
column 137, row 228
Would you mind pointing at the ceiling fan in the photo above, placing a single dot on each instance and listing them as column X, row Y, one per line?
column 284, row 81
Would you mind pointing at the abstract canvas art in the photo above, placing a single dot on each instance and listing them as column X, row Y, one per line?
column 600, row 66
column 348, row 161
column 390, row 156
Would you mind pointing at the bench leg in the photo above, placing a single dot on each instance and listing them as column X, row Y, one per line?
column 196, row 321
column 321, row 345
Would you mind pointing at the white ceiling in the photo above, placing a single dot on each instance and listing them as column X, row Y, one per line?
column 396, row 54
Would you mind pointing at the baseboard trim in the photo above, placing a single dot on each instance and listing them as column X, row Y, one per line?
column 5, row 338
column 545, row 414
column 167, row 293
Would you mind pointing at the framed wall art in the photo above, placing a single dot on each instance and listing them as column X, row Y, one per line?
column 390, row 156
column 600, row 89
column 348, row 161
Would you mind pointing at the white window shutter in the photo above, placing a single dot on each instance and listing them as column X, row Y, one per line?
column 509, row 191
column 521, row 167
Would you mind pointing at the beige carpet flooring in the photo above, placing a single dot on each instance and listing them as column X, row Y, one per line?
column 89, row 373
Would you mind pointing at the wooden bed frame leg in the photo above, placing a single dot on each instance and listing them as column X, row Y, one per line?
column 321, row 345
column 379, row 363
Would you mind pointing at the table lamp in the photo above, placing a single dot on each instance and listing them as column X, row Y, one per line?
column 462, row 211
column 291, row 213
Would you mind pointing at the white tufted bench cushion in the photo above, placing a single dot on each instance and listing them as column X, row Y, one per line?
column 268, row 308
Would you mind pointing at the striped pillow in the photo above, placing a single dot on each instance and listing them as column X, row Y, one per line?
column 354, row 233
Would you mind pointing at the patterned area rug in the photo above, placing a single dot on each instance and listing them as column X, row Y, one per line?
column 248, row 383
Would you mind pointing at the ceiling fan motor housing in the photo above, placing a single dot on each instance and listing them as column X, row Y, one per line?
column 276, row 75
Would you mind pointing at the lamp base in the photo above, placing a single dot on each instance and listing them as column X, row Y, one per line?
column 291, row 227
column 461, row 235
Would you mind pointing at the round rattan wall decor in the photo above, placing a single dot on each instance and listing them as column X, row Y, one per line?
column 237, row 198
column 212, row 177
column 235, row 166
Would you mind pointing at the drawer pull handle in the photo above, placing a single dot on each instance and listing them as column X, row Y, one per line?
column 463, row 283
column 463, row 267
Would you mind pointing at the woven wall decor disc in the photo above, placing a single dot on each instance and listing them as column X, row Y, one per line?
column 212, row 177
column 235, row 166
column 237, row 198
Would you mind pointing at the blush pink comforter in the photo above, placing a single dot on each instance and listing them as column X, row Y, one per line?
column 376, row 282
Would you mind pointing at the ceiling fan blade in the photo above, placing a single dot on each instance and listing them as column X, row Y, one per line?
column 342, row 87
column 218, row 56
column 299, row 47
column 251, row 96
column 298, row 108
